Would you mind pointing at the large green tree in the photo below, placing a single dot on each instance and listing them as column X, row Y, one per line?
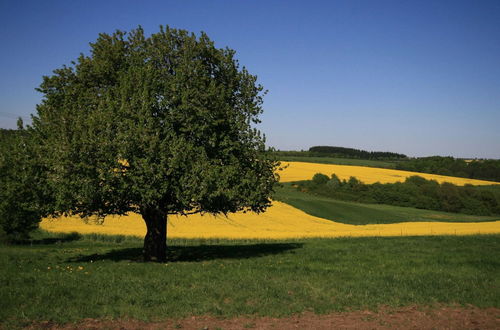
column 156, row 125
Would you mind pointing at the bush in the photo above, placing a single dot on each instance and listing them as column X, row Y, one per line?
column 23, row 193
column 334, row 182
column 319, row 178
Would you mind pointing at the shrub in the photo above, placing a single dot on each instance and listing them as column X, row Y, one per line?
column 23, row 194
column 319, row 178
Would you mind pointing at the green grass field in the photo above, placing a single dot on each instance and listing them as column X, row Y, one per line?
column 101, row 277
column 362, row 214
column 338, row 161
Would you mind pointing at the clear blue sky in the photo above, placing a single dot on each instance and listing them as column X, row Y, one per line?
column 416, row 77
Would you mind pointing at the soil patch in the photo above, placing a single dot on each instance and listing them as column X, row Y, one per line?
column 414, row 317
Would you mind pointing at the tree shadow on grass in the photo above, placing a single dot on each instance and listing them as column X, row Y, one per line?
column 197, row 253
column 61, row 238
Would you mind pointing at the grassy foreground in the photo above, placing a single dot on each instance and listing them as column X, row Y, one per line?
column 72, row 277
column 362, row 214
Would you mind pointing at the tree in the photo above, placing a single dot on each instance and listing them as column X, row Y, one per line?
column 334, row 181
column 320, row 178
column 24, row 199
column 156, row 125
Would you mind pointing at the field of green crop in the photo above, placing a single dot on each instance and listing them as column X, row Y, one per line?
column 362, row 214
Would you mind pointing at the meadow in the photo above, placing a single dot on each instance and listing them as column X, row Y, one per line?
column 67, row 278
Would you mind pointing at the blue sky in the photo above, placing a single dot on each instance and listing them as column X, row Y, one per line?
column 415, row 77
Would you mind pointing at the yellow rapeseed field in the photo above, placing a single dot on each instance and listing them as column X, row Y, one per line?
column 279, row 222
column 305, row 171
column 282, row 221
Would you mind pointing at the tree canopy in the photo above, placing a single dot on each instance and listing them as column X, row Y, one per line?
column 156, row 125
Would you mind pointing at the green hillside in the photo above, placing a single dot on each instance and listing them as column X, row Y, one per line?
column 362, row 214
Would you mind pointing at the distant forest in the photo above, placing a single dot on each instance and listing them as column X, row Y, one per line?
column 356, row 153
column 341, row 152
column 488, row 169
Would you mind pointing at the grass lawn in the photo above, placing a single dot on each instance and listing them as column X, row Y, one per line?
column 362, row 214
column 339, row 161
column 67, row 278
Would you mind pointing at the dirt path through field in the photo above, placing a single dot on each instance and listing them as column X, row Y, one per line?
column 403, row 318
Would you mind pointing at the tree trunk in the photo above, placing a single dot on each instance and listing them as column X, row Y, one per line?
column 155, row 242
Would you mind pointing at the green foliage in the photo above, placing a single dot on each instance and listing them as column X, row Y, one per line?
column 7, row 135
column 156, row 125
column 355, row 153
column 488, row 169
column 43, row 281
column 334, row 181
column 24, row 197
column 319, row 179
column 414, row 192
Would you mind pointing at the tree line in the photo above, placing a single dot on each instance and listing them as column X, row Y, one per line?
column 355, row 153
column 415, row 191
column 488, row 169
